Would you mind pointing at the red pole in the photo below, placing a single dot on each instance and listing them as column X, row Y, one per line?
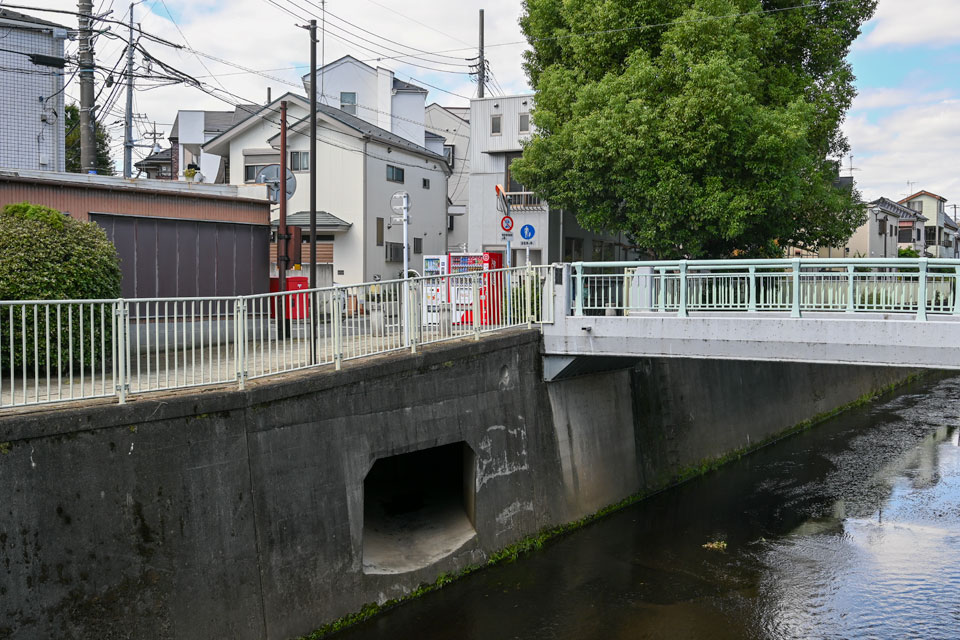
column 282, row 196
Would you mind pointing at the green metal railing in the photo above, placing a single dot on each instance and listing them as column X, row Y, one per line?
column 918, row 286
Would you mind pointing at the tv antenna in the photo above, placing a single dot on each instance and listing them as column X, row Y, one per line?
column 852, row 168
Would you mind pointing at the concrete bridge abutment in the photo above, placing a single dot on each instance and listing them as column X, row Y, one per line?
column 269, row 512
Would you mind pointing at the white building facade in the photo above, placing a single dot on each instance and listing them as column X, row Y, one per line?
column 359, row 167
column 499, row 126
column 453, row 125
column 32, row 133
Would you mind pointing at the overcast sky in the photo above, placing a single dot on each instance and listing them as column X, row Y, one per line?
column 905, row 124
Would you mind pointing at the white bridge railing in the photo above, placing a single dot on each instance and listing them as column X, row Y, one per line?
column 59, row 350
column 918, row 286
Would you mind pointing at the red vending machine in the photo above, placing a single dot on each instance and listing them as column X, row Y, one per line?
column 461, row 288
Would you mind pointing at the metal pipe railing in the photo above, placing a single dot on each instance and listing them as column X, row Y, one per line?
column 917, row 286
column 57, row 350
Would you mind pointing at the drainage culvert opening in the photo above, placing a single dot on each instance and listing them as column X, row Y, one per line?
column 417, row 508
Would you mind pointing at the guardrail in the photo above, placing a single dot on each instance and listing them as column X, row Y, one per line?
column 61, row 350
column 918, row 286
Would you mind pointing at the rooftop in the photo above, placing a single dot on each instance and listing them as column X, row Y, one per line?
column 7, row 14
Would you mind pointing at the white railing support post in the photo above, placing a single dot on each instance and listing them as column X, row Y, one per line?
column 475, row 305
column 922, row 291
column 752, row 297
column 956, row 291
column 412, row 315
column 795, row 306
column 120, row 336
column 527, row 295
column 661, row 295
column 578, row 289
column 337, row 329
column 850, row 289
column 682, row 311
column 242, row 368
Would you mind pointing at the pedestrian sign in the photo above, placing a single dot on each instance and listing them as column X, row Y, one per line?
column 527, row 232
column 506, row 223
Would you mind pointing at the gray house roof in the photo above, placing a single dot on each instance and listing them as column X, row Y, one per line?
column 213, row 121
column 904, row 213
column 369, row 130
column 325, row 221
column 400, row 85
column 7, row 14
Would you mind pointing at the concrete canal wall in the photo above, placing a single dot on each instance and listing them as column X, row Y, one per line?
column 269, row 512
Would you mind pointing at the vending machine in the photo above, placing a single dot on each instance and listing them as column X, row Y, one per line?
column 434, row 291
column 461, row 266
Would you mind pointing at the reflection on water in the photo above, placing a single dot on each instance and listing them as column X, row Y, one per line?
column 850, row 530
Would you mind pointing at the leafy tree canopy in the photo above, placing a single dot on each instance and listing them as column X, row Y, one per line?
column 104, row 163
column 702, row 128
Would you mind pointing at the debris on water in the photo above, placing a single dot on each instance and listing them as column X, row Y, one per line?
column 717, row 545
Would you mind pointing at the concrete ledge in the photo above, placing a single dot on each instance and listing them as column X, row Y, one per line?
column 823, row 339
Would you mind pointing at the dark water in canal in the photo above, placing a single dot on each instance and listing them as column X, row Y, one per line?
column 850, row 530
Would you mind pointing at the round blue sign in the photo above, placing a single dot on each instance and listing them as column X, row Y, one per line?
column 527, row 231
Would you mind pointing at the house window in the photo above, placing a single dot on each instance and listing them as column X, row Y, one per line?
column 572, row 249
column 513, row 185
column 394, row 174
column 524, row 123
column 450, row 223
column 883, row 226
column 299, row 161
column 250, row 171
column 426, row 183
column 916, row 205
column 906, row 235
column 495, row 124
column 448, row 154
column 394, row 251
column 379, row 232
column 418, row 245
column 348, row 102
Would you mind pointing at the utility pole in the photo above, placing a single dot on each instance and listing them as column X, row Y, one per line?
column 482, row 68
column 313, row 180
column 283, row 323
column 88, row 139
column 282, row 197
column 128, row 122
column 313, row 154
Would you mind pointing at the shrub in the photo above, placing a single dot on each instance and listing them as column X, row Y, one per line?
column 45, row 255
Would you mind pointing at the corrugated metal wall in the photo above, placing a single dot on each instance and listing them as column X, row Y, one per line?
column 186, row 258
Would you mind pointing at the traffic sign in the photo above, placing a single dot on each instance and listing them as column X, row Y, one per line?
column 527, row 232
column 506, row 236
column 506, row 223
column 526, row 243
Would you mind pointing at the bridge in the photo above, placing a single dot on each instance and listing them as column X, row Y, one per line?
column 593, row 315
column 889, row 312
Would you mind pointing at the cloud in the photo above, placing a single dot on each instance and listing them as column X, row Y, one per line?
column 885, row 97
column 918, row 143
column 911, row 23
column 258, row 35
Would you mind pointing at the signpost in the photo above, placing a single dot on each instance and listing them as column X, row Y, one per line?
column 400, row 203
column 527, row 232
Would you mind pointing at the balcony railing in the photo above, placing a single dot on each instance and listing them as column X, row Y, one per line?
column 521, row 200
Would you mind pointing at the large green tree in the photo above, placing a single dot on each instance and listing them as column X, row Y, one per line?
column 702, row 128
column 104, row 163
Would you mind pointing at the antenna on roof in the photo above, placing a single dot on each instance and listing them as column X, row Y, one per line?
column 852, row 168
column 910, row 184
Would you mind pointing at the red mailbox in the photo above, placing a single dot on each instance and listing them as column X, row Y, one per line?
column 298, row 306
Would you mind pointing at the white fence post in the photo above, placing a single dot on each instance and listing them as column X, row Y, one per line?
column 795, row 306
column 752, row 294
column 120, row 337
column 527, row 291
column 475, row 293
column 850, row 289
column 337, row 329
column 682, row 311
column 578, row 279
column 922, row 292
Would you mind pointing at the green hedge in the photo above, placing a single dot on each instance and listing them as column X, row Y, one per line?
column 45, row 255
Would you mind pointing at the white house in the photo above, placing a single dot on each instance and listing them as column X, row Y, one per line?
column 32, row 134
column 453, row 124
column 359, row 166
column 372, row 94
column 941, row 230
column 191, row 130
column 498, row 128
